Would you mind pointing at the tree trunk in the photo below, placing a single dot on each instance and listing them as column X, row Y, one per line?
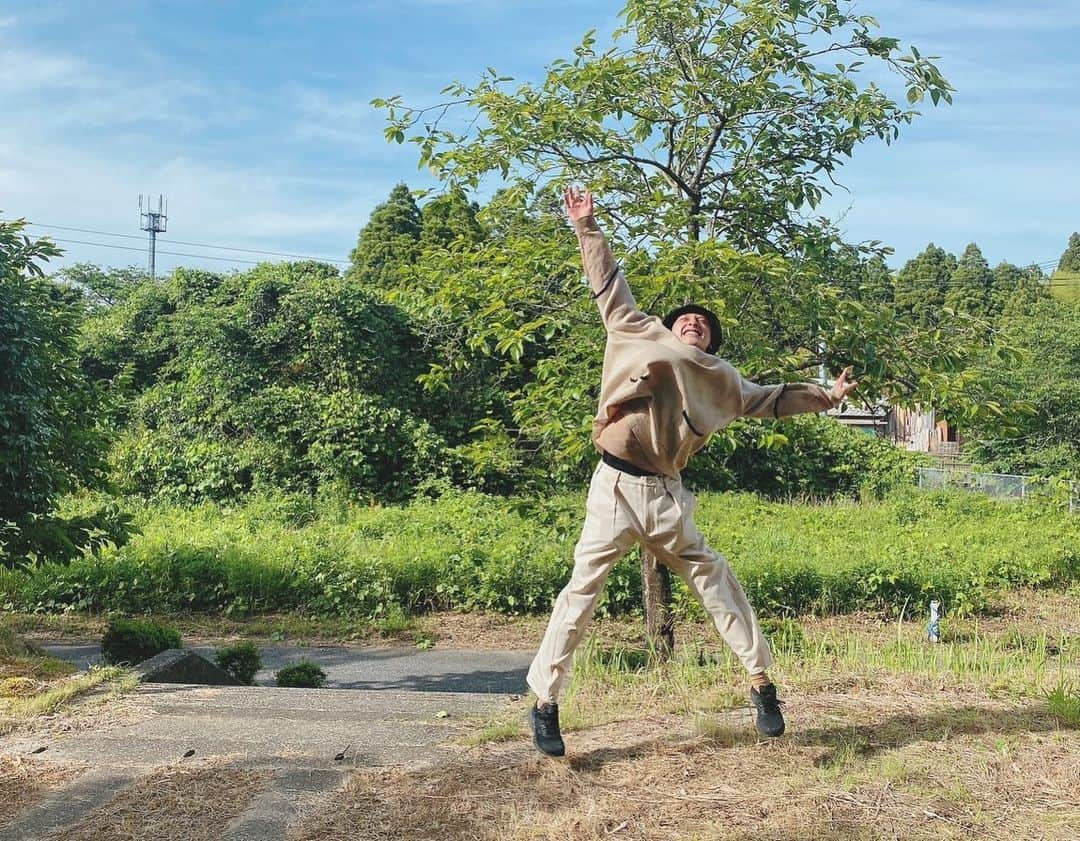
column 656, row 589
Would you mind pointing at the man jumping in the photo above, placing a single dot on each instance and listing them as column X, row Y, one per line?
column 663, row 392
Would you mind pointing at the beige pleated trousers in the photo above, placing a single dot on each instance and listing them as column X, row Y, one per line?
column 657, row 512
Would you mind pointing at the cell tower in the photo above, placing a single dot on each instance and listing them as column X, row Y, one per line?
column 154, row 222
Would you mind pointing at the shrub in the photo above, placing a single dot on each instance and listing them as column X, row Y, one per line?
column 241, row 660
column 809, row 456
column 133, row 640
column 303, row 675
column 47, row 446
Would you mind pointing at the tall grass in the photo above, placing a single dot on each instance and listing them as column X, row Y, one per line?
column 469, row 551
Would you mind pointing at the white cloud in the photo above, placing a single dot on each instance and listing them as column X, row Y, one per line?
column 297, row 166
column 321, row 116
column 214, row 203
column 64, row 92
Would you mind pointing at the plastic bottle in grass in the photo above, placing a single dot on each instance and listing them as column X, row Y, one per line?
column 933, row 628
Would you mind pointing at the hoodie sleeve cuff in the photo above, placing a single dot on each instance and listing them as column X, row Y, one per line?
column 585, row 225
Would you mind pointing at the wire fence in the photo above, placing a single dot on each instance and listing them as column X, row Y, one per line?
column 1000, row 485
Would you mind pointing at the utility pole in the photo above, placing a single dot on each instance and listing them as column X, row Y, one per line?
column 153, row 221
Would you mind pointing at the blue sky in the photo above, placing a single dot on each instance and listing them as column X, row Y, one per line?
column 253, row 118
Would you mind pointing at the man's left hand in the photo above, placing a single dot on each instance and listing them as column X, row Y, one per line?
column 842, row 388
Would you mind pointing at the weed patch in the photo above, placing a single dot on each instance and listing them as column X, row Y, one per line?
column 1064, row 702
column 304, row 675
column 49, row 698
column 242, row 660
column 466, row 551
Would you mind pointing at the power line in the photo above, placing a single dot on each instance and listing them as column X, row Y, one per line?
column 948, row 283
column 184, row 242
column 172, row 253
column 1043, row 264
column 1047, row 285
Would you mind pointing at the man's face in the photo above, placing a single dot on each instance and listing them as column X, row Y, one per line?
column 693, row 329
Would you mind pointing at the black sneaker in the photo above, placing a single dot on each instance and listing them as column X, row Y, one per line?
column 545, row 727
column 770, row 720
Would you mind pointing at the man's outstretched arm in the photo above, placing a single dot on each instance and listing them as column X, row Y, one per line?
column 781, row 401
column 609, row 288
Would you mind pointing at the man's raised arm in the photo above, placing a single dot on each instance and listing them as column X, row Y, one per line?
column 781, row 401
column 609, row 288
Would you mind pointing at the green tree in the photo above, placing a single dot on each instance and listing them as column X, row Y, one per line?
column 449, row 228
column 720, row 119
column 285, row 376
column 390, row 240
column 1045, row 439
column 1065, row 282
column 49, row 441
column 969, row 286
column 710, row 131
column 921, row 285
column 1014, row 288
column 877, row 280
column 864, row 279
column 450, row 219
column 102, row 287
column 1070, row 258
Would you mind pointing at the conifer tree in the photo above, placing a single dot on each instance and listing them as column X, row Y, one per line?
column 390, row 240
column 969, row 286
column 1030, row 289
column 922, row 283
column 877, row 280
column 1014, row 288
column 447, row 218
column 1065, row 282
column 1070, row 260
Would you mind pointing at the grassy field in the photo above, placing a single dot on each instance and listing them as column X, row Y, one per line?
column 472, row 552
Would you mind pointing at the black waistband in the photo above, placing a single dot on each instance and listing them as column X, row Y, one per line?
column 624, row 466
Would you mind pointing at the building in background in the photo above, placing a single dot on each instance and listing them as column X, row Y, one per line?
column 918, row 429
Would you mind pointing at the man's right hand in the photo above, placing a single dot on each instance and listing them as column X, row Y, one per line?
column 579, row 204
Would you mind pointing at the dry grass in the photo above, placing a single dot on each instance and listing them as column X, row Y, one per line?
column 22, row 659
column 23, row 782
column 889, row 738
column 20, row 711
column 481, row 631
column 33, row 684
column 190, row 804
column 856, row 766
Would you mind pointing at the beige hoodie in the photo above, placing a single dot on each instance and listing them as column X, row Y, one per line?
column 661, row 399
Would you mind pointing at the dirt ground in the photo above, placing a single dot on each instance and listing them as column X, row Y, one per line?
column 856, row 765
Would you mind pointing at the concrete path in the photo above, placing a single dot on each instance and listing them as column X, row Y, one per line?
column 403, row 668
column 388, row 706
column 264, row 727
